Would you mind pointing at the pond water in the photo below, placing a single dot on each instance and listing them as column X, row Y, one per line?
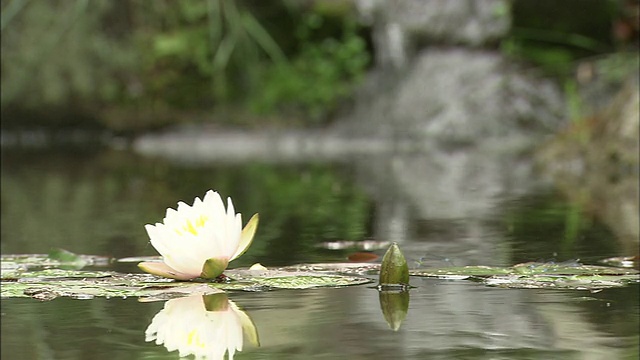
column 96, row 201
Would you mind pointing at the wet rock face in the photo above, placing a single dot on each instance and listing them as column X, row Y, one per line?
column 401, row 27
column 461, row 96
column 439, row 78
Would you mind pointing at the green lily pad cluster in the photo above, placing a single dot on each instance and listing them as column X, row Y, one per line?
column 24, row 276
column 524, row 276
column 535, row 275
column 47, row 277
column 57, row 258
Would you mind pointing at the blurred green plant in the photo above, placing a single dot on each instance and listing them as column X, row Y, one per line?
column 215, row 43
column 218, row 52
column 554, row 36
column 321, row 74
column 574, row 102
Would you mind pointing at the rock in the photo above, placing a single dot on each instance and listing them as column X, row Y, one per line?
column 460, row 96
column 402, row 27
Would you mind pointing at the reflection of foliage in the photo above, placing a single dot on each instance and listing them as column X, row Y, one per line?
column 320, row 74
column 548, row 227
column 99, row 204
column 54, row 329
column 76, row 204
column 303, row 207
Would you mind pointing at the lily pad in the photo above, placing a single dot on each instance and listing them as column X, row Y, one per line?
column 52, row 283
column 355, row 269
column 44, row 277
column 56, row 258
column 539, row 276
column 578, row 282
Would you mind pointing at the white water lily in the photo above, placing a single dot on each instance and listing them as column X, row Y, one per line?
column 206, row 326
column 199, row 240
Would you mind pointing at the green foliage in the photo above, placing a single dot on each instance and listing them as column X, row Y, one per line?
column 574, row 103
column 205, row 50
column 218, row 52
column 321, row 74
column 144, row 64
column 54, row 53
column 554, row 35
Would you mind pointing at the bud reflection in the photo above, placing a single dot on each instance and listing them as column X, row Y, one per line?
column 394, row 305
column 206, row 326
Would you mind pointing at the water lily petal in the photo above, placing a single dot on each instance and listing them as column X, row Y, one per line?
column 191, row 235
column 162, row 269
column 214, row 267
column 246, row 236
column 215, row 208
column 185, row 256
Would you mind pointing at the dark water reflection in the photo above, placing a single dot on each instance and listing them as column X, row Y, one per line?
column 472, row 213
column 445, row 320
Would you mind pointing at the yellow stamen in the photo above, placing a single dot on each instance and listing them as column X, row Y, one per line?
column 193, row 229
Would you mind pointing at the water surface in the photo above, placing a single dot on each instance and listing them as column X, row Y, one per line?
column 96, row 201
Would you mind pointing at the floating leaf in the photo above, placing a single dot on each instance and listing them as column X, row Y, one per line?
column 363, row 245
column 137, row 259
column 539, row 275
column 527, row 269
column 338, row 268
column 56, row 258
column 69, row 259
column 577, row 282
column 52, row 283
column 362, row 256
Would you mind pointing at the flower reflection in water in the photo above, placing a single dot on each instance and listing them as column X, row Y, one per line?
column 206, row 326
